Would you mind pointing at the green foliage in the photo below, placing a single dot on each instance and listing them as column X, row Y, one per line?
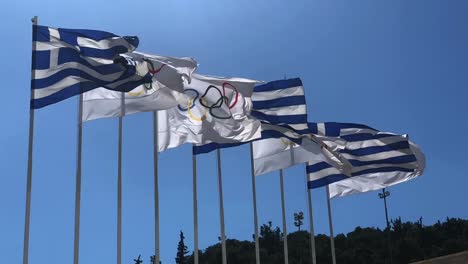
column 181, row 250
column 410, row 242
column 298, row 220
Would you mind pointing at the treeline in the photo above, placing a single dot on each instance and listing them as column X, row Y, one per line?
column 410, row 242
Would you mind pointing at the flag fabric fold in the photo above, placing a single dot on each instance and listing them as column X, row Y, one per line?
column 372, row 154
column 169, row 75
column 67, row 62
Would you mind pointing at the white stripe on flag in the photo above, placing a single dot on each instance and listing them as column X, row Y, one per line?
column 323, row 173
column 380, row 155
column 286, row 110
column 321, row 129
column 103, row 43
column 275, row 94
column 374, row 142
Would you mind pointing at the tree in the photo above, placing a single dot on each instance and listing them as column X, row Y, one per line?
column 298, row 220
column 182, row 251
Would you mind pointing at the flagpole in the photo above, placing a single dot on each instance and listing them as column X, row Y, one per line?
column 221, row 208
column 195, row 208
column 76, row 242
column 311, row 224
column 119, row 183
column 254, row 199
column 283, row 209
column 27, row 217
column 332, row 239
column 156, row 187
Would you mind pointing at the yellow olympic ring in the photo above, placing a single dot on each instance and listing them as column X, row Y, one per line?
column 136, row 93
column 189, row 111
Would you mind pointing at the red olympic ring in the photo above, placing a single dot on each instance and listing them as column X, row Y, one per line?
column 224, row 94
column 153, row 72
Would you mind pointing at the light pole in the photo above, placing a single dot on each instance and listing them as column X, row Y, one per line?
column 383, row 195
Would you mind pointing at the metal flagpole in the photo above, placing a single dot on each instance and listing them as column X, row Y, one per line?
column 221, row 208
column 119, row 183
column 27, row 217
column 311, row 224
column 254, row 198
column 156, row 188
column 283, row 209
column 76, row 249
column 332, row 239
column 195, row 208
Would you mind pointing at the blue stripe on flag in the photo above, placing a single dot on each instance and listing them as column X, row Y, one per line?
column 279, row 102
column 365, row 136
column 313, row 128
column 326, row 180
column 333, row 128
column 110, row 53
column 41, row 33
column 278, row 85
column 71, row 35
column 285, row 119
column 317, row 167
column 72, row 90
column 394, row 160
column 46, row 82
column 71, row 55
column 41, row 60
column 382, row 169
column 377, row 149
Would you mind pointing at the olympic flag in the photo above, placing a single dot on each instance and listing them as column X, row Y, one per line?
column 168, row 76
column 211, row 109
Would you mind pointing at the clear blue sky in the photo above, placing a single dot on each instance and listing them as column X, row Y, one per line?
column 399, row 66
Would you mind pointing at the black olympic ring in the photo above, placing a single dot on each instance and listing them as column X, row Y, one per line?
column 217, row 104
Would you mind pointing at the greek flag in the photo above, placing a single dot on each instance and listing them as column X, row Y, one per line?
column 280, row 107
column 67, row 62
column 371, row 153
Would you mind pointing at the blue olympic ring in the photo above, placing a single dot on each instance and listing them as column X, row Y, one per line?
column 193, row 99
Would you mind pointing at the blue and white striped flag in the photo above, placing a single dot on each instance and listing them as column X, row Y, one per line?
column 67, row 62
column 280, row 107
column 378, row 159
column 281, row 103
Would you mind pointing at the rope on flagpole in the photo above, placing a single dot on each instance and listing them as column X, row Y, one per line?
column 27, row 217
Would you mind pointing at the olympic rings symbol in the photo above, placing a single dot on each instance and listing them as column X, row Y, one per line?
column 214, row 108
